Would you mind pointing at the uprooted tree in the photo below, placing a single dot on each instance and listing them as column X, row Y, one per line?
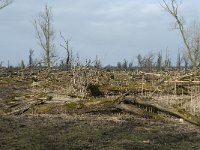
column 190, row 35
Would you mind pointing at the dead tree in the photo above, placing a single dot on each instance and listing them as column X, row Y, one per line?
column 179, row 61
column 43, row 24
column 167, row 61
column 4, row 3
column 30, row 57
column 97, row 62
column 190, row 36
column 69, row 53
column 185, row 61
column 149, row 61
column 159, row 62
column 140, row 60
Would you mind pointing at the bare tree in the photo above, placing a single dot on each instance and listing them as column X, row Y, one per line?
column 97, row 62
column 140, row 60
column 159, row 62
column 22, row 65
column 88, row 63
column 4, row 3
column 130, row 65
column 124, row 64
column 179, row 61
column 167, row 61
column 191, row 36
column 30, row 57
column 69, row 52
column 119, row 65
column 43, row 24
column 149, row 61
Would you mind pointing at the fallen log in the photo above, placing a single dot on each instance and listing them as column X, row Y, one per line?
column 128, row 102
column 25, row 108
column 187, row 82
column 130, row 108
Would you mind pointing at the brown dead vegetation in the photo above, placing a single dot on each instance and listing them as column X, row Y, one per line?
column 178, row 89
column 168, row 98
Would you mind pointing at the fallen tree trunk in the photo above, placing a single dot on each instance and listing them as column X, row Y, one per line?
column 186, row 82
column 25, row 107
column 126, row 103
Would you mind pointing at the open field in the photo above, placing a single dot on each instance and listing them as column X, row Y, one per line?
column 100, row 109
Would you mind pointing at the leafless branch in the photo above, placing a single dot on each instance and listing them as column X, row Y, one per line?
column 172, row 7
column 4, row 3
column 66, row 47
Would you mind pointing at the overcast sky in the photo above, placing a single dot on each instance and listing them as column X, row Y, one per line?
column 111, row 29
